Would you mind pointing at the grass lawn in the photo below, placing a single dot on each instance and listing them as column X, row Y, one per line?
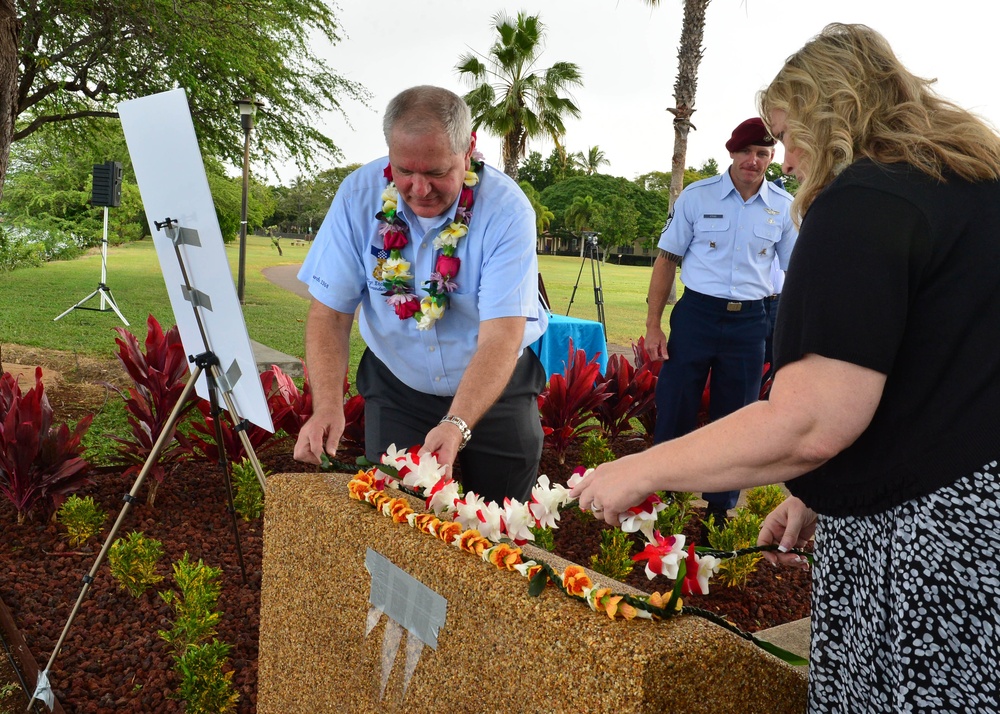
column 624, row 290
column 32, row 297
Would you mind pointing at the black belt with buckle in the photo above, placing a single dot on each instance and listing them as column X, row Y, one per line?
column 721, row 303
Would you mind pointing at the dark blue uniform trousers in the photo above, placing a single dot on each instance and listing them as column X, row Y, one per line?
column 707, row 337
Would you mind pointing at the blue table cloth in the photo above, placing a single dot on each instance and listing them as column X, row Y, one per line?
column 552, row 347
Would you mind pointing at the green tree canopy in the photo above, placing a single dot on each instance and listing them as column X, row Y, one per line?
column 76, row 60
column 302, row 206
column 650, row 205
column 617, row 222
column 50, row 182
column 510, row 97
column 579, row 215
column 543, row 173
column 49, row 189
column 774, row 172
column 543, row 216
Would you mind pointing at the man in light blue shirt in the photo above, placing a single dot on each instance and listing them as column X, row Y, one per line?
column 438, row 250
column 724, row 232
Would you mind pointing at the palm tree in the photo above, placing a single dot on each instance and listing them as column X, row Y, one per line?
column 510, row 96
column 543, row 216
column 688, row 58
column 592, row 160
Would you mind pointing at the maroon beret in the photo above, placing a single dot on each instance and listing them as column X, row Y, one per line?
column 752, row 131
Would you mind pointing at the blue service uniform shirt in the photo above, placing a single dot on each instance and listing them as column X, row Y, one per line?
column 727, row 245
column 498, row 276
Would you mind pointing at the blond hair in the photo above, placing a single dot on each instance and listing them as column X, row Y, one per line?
column 846, row 96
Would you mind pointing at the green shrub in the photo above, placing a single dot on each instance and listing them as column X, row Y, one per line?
column 205, row 687
column 133, row 560
column 615, row 556
column 82, row 518
column 672, row 519
column 248, row 499
column 17, row 253
column 761, row 500
column 544, row 538
column 595, row 451
column 194, row 606
column 739, row 532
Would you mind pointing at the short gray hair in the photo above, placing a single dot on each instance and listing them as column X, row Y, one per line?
column 426, row 108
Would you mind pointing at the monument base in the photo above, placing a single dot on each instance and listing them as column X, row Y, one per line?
column 498, row 650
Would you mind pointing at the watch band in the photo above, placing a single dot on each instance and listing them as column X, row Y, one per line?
column 462, row 427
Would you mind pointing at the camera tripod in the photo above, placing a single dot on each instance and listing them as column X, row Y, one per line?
column 591, row 252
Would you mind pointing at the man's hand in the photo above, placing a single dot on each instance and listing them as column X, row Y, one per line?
column 443, row 440
column 656, row 344
column 320, row 433
column 790, row 525
column 660, row 282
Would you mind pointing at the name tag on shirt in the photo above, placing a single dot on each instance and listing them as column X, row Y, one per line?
column 712, row 215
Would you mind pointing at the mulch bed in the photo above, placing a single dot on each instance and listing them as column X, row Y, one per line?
column 114, row 660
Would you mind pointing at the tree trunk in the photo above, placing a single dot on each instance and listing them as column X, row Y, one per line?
column 10, row 29
column 511, row 142
column 688, row 59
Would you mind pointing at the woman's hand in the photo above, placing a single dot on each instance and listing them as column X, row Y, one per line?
column 790, row 525
column 611, row 489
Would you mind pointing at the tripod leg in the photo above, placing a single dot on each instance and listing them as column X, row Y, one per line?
column 64, row 314
column 224, row 465
column 154, row 454
column 599, row 295
column 575, row 286
column 114, row 305
column 245, row 440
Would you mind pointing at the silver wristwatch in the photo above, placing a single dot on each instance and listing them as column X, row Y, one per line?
column 462, row 427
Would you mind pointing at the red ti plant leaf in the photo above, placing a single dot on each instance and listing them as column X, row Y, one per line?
column 40, row 464
column 290, row 407
column 566, row 405
column 652, row 367
column 354, row 417
column 158, row 382
column 203, row 435
column 631, row 393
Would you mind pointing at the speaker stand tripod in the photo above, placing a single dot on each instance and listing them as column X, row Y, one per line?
column 107, row 299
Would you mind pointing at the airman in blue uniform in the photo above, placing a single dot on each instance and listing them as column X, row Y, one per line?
column 724, row 232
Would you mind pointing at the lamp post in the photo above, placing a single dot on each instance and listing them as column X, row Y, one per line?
column 248, row 108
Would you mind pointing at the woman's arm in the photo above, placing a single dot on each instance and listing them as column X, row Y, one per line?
column 817, row 408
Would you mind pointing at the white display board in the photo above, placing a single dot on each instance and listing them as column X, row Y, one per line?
column 171, row 177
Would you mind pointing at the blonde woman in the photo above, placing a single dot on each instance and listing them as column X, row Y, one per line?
column 884, row 416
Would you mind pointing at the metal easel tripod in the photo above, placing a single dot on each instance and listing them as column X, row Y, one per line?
column 592, row 252
column 218, row 382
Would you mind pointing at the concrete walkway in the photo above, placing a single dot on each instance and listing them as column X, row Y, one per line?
column 283, row 276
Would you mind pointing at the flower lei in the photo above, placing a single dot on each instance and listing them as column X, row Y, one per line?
column 394, row 271
column 485, row 529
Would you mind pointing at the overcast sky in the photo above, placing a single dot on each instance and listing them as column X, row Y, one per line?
column 627, row 53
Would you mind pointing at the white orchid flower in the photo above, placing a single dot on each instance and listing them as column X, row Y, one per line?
column 518, row 520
